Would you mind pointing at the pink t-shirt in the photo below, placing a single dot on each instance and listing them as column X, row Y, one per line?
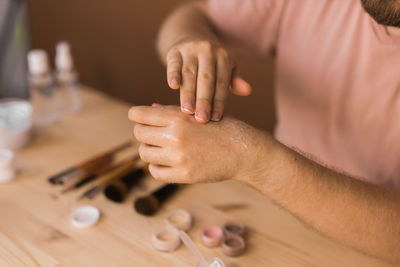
column 337, row 79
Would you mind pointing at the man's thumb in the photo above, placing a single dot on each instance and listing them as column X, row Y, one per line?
column 240, row 87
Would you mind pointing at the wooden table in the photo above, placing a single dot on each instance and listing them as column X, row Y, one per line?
column 35, row 228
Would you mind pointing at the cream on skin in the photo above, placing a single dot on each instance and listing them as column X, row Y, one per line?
column 358, row 214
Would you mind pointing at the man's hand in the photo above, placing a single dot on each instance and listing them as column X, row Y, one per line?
column 196, row 62
column 180, row 150
column 205, row 73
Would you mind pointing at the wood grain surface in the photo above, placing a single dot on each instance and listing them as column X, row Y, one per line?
column 35, row 228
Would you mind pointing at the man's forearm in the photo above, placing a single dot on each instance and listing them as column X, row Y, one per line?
column 361, row 215
column 189, row 22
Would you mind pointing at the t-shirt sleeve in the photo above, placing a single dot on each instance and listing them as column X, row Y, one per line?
column 253, row 24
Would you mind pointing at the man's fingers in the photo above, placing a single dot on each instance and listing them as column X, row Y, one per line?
column 155, row 155
column 205, row 87
column 224, row 71
column 188, row 87
column 150, row 115
column 150, row 135
column 174, row 68
column 164, row 173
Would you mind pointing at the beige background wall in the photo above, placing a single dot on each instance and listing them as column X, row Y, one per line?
column 113, row 44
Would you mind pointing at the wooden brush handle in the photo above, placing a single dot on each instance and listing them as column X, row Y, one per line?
column 100, row 158
column 97, row 170
column 117, row 172
column 98, row 163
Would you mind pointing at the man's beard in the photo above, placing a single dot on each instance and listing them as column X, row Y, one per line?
column 385, row 12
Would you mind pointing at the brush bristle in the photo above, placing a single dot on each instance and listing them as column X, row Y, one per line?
column 146, row 205
column 112, row 193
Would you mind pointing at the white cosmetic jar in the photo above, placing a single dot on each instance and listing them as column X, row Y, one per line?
column 15, row 123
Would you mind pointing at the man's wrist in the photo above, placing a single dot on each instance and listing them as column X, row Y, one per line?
column 261, row 158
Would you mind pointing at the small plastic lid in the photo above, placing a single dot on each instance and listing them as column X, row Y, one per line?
column 64, row 61
column 38, row 62
column 85, row 216
column 212, row 236
column 166, row 240
column 178, row 219
column 63, row 47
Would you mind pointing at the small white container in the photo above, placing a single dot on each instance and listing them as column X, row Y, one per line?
column 85, row 216
column 15, row 123
column 7, row 166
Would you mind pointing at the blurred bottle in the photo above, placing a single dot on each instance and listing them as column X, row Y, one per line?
column 66, row 93
column 13, row 49
column 42, row 86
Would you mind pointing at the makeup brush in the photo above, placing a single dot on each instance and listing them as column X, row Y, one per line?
column 150, row 204
column 88, row 165
column 116, row 173
column 84, row 171
column 77, row 172
column 88, row 178
column 117, row 190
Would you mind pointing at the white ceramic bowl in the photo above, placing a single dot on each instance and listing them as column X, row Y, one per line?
column 15, row 123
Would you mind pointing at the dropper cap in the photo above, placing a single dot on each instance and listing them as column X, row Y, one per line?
column 64, row 61
column 38, row 62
